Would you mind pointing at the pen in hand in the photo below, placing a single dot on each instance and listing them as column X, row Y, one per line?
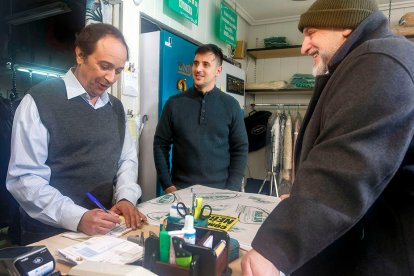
column 95, row 200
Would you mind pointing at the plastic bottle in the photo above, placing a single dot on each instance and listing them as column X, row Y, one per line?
column 189, row 231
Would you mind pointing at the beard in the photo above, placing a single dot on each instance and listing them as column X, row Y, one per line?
column 320, row 68
column 325, row 57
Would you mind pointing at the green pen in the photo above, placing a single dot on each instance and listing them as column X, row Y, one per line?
column 164, row 246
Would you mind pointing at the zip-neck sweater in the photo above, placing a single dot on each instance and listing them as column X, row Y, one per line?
column 209, row 141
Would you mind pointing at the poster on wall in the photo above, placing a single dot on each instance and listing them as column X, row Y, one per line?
column 186, row 8
column 98, row 11
column 227, row 25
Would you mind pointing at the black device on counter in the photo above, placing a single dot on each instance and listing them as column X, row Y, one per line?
column 26, row 260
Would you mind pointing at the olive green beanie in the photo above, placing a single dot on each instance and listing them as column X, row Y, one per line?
column 347, row 14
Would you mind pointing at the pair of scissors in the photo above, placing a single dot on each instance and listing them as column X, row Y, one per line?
column 204, row 212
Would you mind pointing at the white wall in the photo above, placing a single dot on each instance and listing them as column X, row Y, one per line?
column 204, row 32
column 129, row 23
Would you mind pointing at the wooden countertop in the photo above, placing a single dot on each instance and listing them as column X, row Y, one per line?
column 57, row 242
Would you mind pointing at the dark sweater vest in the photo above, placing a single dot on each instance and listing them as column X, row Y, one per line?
column 85, row 144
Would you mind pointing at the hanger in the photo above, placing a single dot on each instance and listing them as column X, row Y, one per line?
column 253, row 111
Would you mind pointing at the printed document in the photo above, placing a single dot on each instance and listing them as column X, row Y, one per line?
column 103, row 249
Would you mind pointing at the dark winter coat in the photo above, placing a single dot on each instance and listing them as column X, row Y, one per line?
column 351, row 209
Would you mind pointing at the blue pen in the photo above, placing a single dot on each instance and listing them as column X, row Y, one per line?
column 91, row 197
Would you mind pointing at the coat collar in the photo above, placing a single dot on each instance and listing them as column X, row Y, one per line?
column 374, row 26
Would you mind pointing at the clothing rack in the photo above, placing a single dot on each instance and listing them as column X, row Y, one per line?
column 271, row 174
column 273, row 182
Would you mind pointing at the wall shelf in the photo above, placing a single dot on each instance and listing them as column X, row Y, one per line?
column 289, row 51
column 285, row 91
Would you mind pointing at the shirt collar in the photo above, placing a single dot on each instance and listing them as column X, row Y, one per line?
column 74, row 89
column 201, row 94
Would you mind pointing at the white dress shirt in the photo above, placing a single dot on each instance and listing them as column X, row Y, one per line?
column 28, row 175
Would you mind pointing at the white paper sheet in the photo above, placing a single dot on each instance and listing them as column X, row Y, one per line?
column 103, row 249
column 251, row 209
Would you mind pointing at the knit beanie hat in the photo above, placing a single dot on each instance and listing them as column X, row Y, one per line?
column 347, row 14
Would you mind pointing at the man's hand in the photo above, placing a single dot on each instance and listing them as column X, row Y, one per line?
column 255, row 264
column 284, row 196
column 133, row 218
column 97, row 222
column 170, row 189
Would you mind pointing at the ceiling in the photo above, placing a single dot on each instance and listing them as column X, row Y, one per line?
column 275, row 11
column 44, row 38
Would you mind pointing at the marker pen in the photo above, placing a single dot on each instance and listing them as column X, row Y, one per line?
column 164, row 246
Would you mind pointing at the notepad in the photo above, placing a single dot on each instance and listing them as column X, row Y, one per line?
column 118, row 231
column 102, row 249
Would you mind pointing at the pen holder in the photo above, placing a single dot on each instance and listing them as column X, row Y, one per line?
column 152, row 256
column 205, row 261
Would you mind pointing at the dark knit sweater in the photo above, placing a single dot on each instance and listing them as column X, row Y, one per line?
column 209, row 141
column 85, row 144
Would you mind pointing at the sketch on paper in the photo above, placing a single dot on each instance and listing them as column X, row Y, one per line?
column 236, row 229
column 250, row 209
column 166, row 199
column 220, row 207
column 217, row 196
column 261, row 200
column 251, row 214
column 156, row 216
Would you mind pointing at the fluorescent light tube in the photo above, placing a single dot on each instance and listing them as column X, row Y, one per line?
column 39, row 70
column 37, row 13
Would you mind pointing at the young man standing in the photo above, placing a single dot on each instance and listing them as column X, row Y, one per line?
column 206, row 129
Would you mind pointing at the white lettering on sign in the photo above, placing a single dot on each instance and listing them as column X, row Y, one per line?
column 229, row 16
column 228, row 35
column 229, row 23
column 185, row 7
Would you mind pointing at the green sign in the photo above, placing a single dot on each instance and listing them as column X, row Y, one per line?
column 228, row 25
column 186, row 8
